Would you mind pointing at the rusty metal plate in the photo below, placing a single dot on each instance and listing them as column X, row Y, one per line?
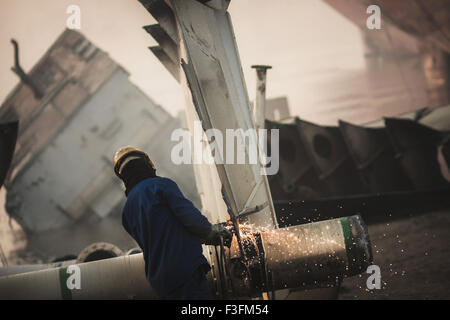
column 375, row 158
column 330, row 157
column 296, row 178
column 416, row 148
column 8, row 138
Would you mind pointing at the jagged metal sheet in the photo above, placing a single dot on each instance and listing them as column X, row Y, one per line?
column 164, row 15
column 166, row 51
column 416, row 148
column 8, row 138
column 375, row 158
column 164, row 40
column 217, row 89
column 296, row 178
column 330, row 157
column 166, row 61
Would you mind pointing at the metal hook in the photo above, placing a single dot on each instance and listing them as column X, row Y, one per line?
column 26, row 79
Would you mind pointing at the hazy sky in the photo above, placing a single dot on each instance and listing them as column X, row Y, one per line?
column 304, row 41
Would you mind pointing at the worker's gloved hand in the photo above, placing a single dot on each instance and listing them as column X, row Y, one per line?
column 218, row 231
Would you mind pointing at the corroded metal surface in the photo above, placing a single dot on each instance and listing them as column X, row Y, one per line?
column 306, row 256
column 99, row 251
column 164, row 15
column 317, row 253
column 296, row 178
column 216, row 95
column 375, row 158
column 331, row 159
column 416, row 147
column 69, row 73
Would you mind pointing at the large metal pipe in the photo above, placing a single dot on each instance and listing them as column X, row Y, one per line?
column 116, row 278
column 93, row 252
column 99, row 251
column 18, row 269
column 305, row 256
column 316, row 254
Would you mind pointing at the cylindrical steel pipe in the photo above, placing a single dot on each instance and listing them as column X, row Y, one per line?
column 315, row 254
column 305, row 256
column 6, row 271
column 99, row 251
column 116, row 278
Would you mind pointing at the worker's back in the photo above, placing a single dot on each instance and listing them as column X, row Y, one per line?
column 168, row 228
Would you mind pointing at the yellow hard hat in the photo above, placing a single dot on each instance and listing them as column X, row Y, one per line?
column 125, row 154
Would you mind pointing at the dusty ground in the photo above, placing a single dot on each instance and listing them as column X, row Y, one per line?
column 414, row 257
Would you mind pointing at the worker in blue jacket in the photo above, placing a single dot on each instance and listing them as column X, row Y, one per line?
column 167, row 227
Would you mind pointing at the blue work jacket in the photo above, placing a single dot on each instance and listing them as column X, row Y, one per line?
column 169, row 229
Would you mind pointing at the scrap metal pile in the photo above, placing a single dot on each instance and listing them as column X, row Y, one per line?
column 319, row 161
column 327, row 172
